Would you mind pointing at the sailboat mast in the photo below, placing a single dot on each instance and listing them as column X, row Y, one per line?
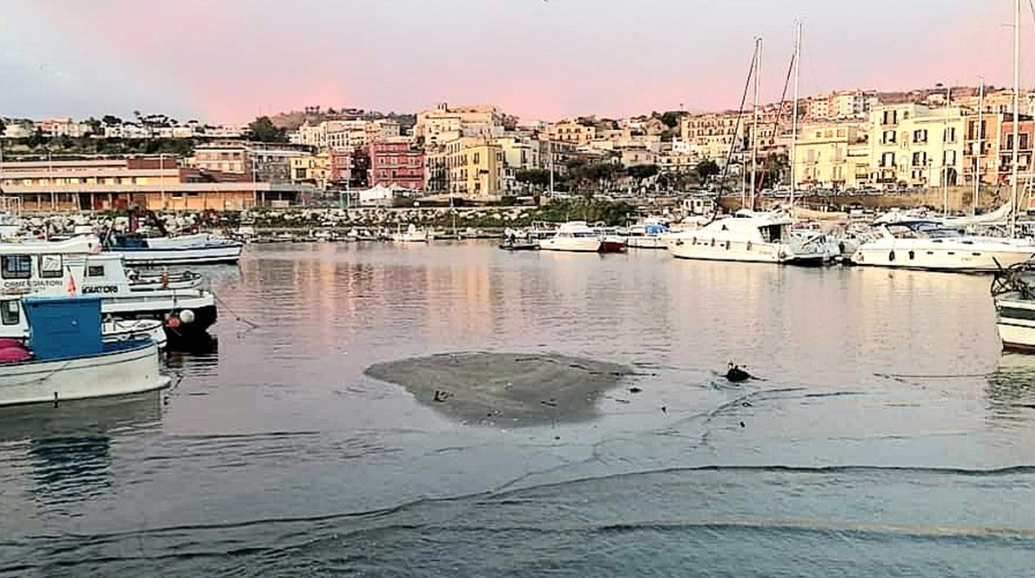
column 980, row 146
column 549, row 158
column 1016, row 106
column 754, row 126
column 794, row 114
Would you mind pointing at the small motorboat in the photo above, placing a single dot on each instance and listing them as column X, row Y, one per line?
column 66, row 357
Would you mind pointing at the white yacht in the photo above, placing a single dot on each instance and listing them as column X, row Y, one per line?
column 578, row 237
column 412, row 234
column 77, row 267
column 928, row 245
column 746, row 236
column 650, row 234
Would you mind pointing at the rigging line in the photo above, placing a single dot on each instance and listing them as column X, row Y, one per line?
column 740, row 113
column 776, row 121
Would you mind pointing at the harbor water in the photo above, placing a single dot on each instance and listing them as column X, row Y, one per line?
column 885, row 435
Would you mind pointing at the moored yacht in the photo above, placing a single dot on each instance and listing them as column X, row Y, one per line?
column 929, row 245
column 647, row 235
column 412, row 234
column 748, row 237
column 578, row 237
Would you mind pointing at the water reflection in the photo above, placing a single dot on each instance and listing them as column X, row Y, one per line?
column 1011, row 389
column 69, row 446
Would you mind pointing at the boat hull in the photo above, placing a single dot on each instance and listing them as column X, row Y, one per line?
column 571, row 244
column 202, row 309
column 646, row 242
column 1015, row 322
column 129, row 368
column 152, row 257
column 731, row 251
column 966, row 260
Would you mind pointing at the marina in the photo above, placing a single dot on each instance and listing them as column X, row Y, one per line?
column 517, row 290
column 918, row 422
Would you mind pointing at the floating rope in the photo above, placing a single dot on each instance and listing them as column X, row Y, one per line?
column 234, row 313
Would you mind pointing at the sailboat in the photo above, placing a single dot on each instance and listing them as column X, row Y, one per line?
column 1013, row 290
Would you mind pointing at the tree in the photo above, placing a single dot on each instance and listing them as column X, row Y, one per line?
column 641, row 172
column 110, row 120
column 707, row 168
column 671, row 118
column 262, row 129
column 3, row 126
column 538, row 178
column 36, row 138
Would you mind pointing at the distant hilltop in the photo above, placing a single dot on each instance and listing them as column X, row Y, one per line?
column 314, row 115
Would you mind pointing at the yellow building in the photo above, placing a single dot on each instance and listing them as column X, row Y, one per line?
column 831, row 156
column 475, row 168
column 915, row 145
column 711, row 136
column 311, row 169
column 571, row 131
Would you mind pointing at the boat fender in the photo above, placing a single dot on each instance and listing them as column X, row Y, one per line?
column 172, row 321
column 187, row 316
column 912, row 255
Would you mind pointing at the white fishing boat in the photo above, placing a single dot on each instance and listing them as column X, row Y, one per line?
column 77, row 267
column 14, row 325
column 198, row 249
column 747, row 236
column 930, row 246
column 66, row 358
column 412, row 234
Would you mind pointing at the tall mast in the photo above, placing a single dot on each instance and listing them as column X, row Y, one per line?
column 1016, row 106
column 794, row 117
column 754, row 126
column 945, row 156
column 980, row 146
column 549, row 155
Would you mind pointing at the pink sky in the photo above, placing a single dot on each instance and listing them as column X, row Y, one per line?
column 230, row 60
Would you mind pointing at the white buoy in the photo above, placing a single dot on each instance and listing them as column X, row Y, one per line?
column 187, row 316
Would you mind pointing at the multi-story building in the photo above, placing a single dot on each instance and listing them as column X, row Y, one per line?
column 445, row 123
column 63, row 126
column 339, row 134
column 713, row 136
column 436, row 169
column 341, row 166
column 915, row 145
column 153, row 183
column 841, row 105
column 572, row 131
column 1025, row 143
column 397, row 162
column 823, row 156
column 981, row 150
column 519, row 154
column 475, row 167
column 266, row 162
column 312, row 170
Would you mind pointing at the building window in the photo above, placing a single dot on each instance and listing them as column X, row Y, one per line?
column 889, row 137
column 920, row 136
column 10, row 312
column 51, row 267
column 16, row 266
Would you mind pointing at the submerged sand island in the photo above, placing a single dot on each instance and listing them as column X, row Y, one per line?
column 505, row 388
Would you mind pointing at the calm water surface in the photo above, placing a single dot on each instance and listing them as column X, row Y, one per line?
column 888, row 437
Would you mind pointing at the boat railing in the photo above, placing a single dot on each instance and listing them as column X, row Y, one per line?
column 1017, row 278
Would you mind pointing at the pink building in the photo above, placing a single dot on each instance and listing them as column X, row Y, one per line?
column 341, row 165
column 397, row 162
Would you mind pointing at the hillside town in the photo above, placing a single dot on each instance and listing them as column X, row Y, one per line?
column 847, row 141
